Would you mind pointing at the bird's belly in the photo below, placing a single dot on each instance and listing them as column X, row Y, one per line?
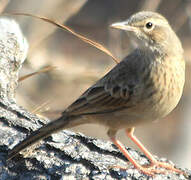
column 150, row 109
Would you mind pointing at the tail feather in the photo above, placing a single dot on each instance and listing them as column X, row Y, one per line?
column 41, row 133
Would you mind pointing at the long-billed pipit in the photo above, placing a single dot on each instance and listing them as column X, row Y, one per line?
column 145, row 86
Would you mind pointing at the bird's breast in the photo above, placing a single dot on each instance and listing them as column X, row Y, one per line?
column 166, row 81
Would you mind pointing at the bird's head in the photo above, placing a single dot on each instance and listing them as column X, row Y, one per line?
column 150, row 30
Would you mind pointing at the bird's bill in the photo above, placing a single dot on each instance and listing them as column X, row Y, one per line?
column 123, row 26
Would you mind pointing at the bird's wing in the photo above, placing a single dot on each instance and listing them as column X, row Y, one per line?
column 113, row 92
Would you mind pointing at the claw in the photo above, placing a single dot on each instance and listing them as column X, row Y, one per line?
column 150, row 171
column 168, row 167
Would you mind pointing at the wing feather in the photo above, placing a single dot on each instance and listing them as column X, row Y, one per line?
column 113, row 91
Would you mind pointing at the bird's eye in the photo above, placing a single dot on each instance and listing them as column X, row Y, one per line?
column 149, row 25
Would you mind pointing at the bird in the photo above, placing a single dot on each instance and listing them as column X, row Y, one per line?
column 144, row 86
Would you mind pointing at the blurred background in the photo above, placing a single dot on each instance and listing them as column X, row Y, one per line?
column 79, row 65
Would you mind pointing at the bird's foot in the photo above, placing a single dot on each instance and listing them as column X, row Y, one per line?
column 166, row 166
column 154, row 168
column 147, row 170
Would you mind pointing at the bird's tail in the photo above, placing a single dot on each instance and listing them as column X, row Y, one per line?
column 52, row 127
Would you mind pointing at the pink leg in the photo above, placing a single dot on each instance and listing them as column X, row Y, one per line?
column 154, row 162
column 148, row 171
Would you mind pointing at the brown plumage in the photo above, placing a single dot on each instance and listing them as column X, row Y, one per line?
column 145, row 86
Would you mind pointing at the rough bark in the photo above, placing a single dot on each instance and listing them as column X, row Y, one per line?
column 64, row 155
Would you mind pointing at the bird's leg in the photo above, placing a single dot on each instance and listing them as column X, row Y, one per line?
column 154, row 162
column 147, row 171
column 130, row 134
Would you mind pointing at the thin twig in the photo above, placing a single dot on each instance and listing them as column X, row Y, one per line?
column 83, row 38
